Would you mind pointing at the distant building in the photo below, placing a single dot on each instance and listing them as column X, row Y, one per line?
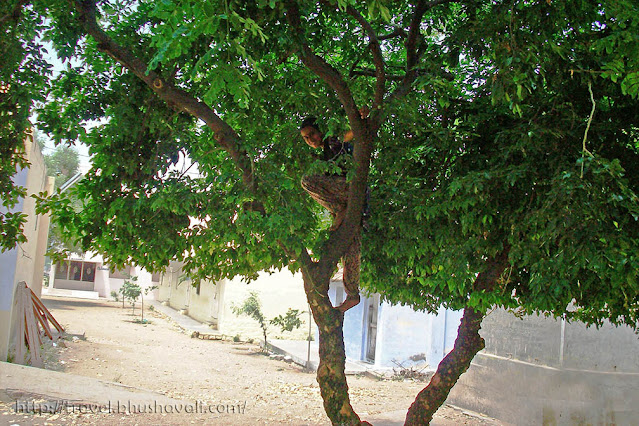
column 212, row 302
column 393, row 336
column 89, row 276
column 26, row 261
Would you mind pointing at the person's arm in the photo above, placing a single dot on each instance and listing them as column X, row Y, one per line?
column 348, row 136
column 363, row 112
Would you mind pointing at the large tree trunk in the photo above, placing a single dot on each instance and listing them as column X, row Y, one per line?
column 467, row 344
column 330, row 372
column 458, row 360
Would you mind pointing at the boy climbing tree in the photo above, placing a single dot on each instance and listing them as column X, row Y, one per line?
column 330, row 190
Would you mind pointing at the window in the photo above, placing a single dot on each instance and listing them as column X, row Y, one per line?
column 62, row 270
column 76, row 270
column 155, row 277
column 88, row 272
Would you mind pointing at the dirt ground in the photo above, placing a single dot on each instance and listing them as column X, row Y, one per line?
column 161, row 358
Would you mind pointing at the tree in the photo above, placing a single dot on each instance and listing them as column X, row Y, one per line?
column 23, row 77
column 63, row 164
column 501, row 150
column 130, row 291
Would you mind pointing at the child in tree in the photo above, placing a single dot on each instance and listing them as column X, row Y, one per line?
column 331, row 191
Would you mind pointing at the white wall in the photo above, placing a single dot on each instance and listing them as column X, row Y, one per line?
column 25, row 262
column 278, row 292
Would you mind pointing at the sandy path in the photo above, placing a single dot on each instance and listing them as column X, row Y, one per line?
column 159, row 357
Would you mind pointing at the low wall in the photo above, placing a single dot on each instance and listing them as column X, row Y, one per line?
column 546, row 371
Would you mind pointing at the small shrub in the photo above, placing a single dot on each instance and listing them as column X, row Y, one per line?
column 130, row 291
column 252, row 307
column 290, row 321
column 115, row 296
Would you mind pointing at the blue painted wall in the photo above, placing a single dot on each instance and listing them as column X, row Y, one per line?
column 404, row 337
column 402, row 333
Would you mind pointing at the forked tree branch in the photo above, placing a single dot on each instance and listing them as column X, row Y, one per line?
column 167, row 91
column 179, row 99
column 413, row 52
column 320, row 67
column 339, row 241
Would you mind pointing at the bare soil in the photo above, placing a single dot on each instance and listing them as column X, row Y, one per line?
column 159, row 357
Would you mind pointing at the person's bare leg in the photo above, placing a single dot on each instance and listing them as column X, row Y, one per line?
column 338, row 219
column 351, row 300
column 352, row 259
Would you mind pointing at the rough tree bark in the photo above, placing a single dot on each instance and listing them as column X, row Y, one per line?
column 458, row 360
column 331, row 376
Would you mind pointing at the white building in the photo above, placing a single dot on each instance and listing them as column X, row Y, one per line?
column 89, row 276
column 26, row 261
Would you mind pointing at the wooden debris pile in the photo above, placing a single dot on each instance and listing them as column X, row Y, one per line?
column 32, row 314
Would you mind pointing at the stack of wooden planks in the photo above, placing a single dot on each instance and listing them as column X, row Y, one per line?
column 31, row 315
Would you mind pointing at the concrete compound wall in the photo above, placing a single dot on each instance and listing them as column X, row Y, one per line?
column 414, row 338
column 546, row 371
column 213, row 305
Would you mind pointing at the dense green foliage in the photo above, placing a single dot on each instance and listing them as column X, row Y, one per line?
column 63, row 164
column 495, row 148
column 23, row 77
column 502, row 137
column 531, row 148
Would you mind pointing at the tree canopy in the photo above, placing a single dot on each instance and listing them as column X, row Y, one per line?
column 23, row 78
column 501, row 149
column 495, row 147
column 62, row 163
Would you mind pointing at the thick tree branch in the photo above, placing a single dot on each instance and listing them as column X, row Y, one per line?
column 378, row 59
column 413, row 35
column 339, row 241
column 320, row 67
column 467, row 344
column 167, row 91
column 181, row 101
column 458, row 360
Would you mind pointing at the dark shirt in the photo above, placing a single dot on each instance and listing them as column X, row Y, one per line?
column 335, row 151
column 335, row 148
